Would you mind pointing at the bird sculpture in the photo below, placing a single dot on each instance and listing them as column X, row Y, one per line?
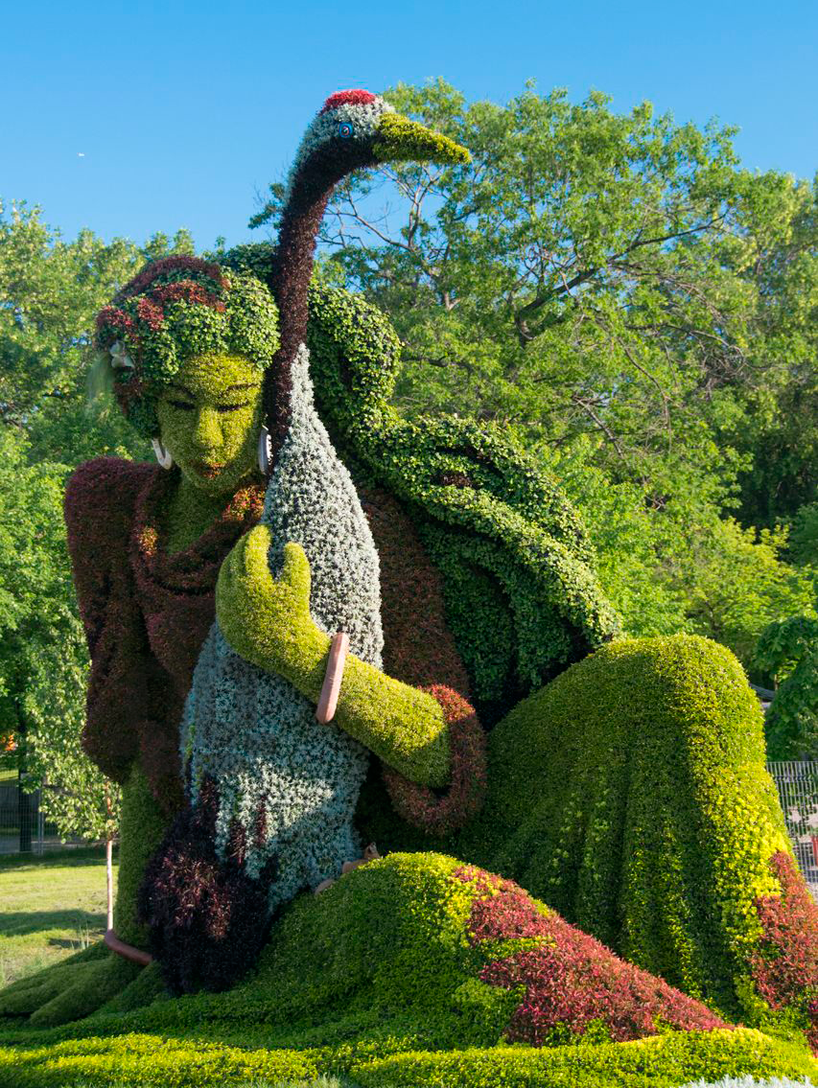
column 275, row 788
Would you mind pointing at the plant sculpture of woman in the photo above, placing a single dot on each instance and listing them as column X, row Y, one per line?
column 622, row 781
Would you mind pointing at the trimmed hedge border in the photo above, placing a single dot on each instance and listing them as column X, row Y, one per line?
column 156, row 1061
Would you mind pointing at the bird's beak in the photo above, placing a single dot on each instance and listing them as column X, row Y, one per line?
column 400, row 140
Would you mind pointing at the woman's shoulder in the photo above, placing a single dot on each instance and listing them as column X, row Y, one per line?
column 100, row 494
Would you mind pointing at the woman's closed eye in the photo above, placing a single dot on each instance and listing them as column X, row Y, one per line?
column 186, row 406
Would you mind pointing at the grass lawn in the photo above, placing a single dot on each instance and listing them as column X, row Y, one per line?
column 50, row 906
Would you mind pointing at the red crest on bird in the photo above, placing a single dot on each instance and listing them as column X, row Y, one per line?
column 352, row 97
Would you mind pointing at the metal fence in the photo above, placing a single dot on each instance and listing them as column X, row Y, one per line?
column 797, row 785
column 23, row 827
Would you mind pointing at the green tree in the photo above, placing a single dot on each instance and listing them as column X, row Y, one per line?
column 565, row 282
column 787, row 656
column 682, row 567
column 777, row 255
column 804, row 539
column 50, row 292
column 43, row 657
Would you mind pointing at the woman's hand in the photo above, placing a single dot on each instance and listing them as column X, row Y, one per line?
column 266, row 620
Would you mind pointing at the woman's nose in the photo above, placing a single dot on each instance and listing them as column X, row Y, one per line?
column 207, row 431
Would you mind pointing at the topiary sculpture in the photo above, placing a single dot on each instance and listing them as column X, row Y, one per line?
column 625, row 778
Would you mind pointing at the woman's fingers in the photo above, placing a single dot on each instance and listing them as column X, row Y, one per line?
column 256, row 544
column 296, row 572
column 246, row 589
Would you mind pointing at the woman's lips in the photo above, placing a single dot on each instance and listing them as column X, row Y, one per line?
column 206, row 469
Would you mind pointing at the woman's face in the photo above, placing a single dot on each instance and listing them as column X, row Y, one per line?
column 209, row 419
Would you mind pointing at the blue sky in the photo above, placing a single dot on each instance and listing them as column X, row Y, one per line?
column 135, row 117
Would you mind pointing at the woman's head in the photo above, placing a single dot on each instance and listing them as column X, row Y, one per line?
column 174, row 311
column 186, row 343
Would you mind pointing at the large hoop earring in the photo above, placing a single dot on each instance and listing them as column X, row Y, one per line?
column 162, row 455
column 265, row 450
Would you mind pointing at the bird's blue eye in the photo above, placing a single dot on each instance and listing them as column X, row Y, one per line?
column 345, row 129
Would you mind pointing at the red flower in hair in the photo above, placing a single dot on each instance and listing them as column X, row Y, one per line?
column 115, row 319
column 186, row 291
column 150, row 313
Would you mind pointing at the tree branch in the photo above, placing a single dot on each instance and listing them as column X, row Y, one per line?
column 526, row 334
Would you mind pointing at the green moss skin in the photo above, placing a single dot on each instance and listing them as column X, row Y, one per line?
column 211, row 414
column 142, row 826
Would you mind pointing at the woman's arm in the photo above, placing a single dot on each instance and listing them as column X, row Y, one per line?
column 268, row 622
column 404, row 726
column 97, row 500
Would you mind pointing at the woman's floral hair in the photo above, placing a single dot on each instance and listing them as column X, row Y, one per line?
column 174, row 308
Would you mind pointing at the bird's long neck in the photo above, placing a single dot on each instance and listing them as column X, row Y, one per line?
column 311, row 189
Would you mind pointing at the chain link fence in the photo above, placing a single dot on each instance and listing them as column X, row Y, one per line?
column 797, row 785
column 23, row 826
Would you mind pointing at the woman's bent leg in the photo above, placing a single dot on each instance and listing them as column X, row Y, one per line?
column 631, row 795
column 423, row 958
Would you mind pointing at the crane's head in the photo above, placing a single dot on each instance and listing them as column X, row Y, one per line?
column 356, row 128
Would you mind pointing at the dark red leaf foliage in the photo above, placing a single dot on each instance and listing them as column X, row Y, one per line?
column 208, row 919
column 573, row 979
column 785, row 968
column 419, row 650
column 146, row 612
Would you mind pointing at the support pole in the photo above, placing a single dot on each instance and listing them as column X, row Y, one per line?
column 23, row 799
column 109, row 867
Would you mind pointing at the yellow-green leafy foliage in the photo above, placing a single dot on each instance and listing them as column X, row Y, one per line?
column 400, row 139
column 664, row 1061
column 159, row 1061
column 147, row 1062
column 631, row 795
